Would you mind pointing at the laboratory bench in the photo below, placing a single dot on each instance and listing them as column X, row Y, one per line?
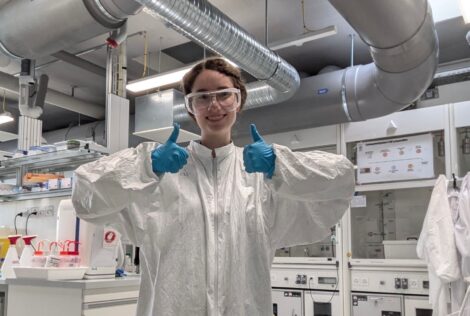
column 101, row 297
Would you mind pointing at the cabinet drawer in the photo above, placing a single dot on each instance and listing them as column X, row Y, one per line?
column 462, row 114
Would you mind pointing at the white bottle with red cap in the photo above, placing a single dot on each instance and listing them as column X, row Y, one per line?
column 28, row 251
column 11, row 259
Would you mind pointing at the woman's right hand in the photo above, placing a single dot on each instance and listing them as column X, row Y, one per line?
column 169, row 157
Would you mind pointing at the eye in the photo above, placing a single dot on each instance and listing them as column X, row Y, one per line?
column 201, row 98
column 225, row 95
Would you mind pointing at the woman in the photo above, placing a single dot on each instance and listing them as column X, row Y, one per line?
column 209, row 217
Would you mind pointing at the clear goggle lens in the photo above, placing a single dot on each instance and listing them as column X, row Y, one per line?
column 198, row 103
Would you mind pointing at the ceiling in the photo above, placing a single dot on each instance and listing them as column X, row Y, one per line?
column 284, row 22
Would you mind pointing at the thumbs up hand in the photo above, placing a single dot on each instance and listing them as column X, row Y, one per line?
column 259, row 156
column 169, row 157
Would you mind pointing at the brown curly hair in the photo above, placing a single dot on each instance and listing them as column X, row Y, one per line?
column 220, row 65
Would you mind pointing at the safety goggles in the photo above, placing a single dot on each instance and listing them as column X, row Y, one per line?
column 199, row 103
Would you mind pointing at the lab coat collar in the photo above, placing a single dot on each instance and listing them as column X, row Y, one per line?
column 202, row 151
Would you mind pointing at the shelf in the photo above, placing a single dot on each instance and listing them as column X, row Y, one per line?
column 57, row 159
column 35, row 195
column 395, row 185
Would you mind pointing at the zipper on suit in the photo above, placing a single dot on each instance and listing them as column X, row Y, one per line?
column 216, row 228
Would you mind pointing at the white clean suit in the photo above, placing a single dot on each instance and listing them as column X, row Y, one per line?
column 208, row 233
column 436, row 245
column 462, row 226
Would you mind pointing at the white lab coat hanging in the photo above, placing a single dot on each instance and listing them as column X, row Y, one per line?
column 436, row 245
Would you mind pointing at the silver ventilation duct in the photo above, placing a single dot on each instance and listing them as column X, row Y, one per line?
column 403, row 43
column 67, row 22
column 203, row 23
column 404, row 46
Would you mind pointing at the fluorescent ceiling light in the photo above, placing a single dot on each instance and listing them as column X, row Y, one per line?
column 465, row 9
column 156, row 81
column 6, row 117
column 304, row 38
column 163, row 79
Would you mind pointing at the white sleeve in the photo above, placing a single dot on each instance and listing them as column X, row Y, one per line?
column 105, row 187
column 308, row 194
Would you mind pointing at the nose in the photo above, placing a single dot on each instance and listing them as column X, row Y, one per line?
column 213, row 103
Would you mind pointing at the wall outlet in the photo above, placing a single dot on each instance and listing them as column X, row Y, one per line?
column 46, row 211
column 31, row 210
column 42, row 211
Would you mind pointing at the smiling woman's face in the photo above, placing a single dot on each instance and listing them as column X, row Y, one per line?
column 216, row 122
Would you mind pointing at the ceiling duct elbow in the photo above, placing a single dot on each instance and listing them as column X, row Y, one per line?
column 402, row 69
column 404, row 46
column 26, row 21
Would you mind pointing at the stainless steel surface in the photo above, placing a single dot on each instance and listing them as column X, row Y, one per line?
column 54, row 159
column 36, row 195
column 66, row 22
column 157, row 110
column 121, row 9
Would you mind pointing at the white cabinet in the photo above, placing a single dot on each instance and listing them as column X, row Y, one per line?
column 73, row 298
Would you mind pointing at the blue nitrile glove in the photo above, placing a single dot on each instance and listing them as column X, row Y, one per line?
column 169, row 157
column 259, row 156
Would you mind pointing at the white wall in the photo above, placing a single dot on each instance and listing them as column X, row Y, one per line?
column 44, row 227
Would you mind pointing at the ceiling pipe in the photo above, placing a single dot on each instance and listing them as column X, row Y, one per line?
column 26, row 21
column 53, row 97
column 80, row 62
column 404, row 46
column 204, row 23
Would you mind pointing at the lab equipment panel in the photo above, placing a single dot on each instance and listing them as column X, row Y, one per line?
column 287, row 302
column 299, row 277
column 376, row 305
column 318, row 303
column 402, row 282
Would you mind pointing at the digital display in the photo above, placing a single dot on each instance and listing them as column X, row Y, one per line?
column 323, row 280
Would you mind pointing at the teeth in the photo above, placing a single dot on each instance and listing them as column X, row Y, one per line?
column 215, row 118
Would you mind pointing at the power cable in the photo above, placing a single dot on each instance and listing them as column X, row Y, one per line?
column 16, row 216
column 146, row 52
column 27, row 219
column 306, row 29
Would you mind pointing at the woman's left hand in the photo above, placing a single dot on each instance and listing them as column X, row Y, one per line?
column 259, row 156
